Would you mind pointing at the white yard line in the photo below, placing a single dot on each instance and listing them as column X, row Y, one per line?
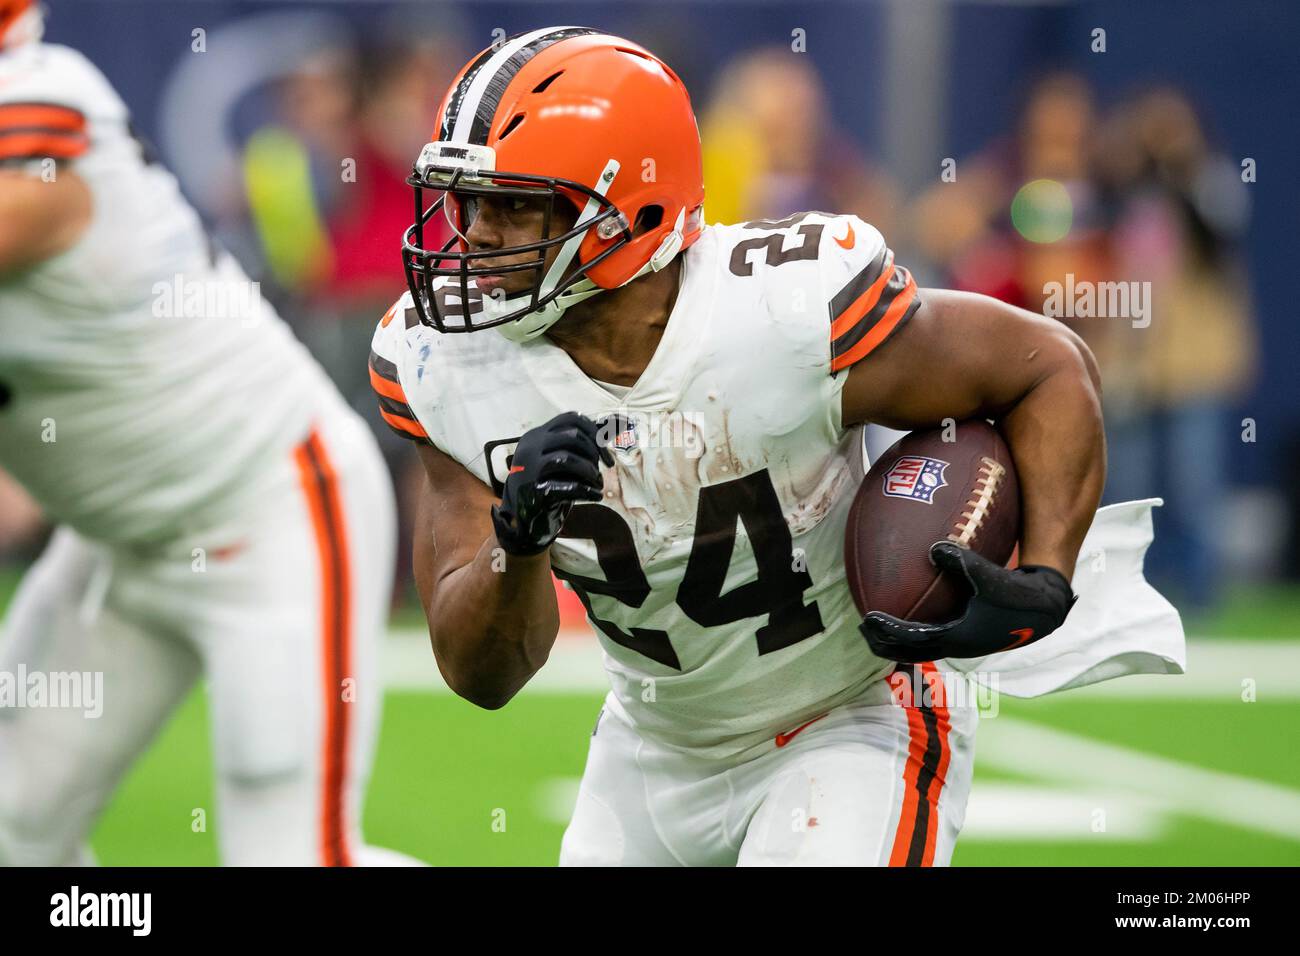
column 1218, row 669
column 556, row 797
column 1136, row 791
column 1000, row 810
column 573, row 667
column 1023, row 747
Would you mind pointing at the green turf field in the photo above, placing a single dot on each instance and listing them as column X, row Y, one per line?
column 445, row 771
column 1160, row 773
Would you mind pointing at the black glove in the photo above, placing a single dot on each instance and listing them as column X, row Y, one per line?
column 1008, row 609
column 553, row 466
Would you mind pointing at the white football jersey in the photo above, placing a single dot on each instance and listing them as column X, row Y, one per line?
column 145, row 387
column 713, row 569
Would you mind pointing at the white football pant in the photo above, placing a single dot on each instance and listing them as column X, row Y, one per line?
column 881, row 780
column 281, row 611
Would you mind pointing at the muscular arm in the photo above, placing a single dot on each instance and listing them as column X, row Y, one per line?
column 491, row 630
column 40, row 219
column 964, row 355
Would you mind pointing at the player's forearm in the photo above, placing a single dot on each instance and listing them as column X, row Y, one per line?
column 1056, row 437
column 21, row 245
column 492, row 623
column 39, row 219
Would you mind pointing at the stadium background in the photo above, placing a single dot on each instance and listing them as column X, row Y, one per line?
column 851, row 107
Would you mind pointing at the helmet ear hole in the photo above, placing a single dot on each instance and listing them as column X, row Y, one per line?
column 650, row 217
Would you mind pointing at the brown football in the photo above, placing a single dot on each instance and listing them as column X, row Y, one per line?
column 923, row 490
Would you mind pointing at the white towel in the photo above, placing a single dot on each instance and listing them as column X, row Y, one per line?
column 1119, row 625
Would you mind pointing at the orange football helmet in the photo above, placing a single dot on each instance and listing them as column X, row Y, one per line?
column 10, row 11
column 562, row 112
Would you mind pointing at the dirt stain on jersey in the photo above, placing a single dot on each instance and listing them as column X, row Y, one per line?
column 719, row 462
column 626, row 491
column 811, row 504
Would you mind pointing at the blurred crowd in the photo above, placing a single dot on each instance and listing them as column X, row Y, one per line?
column 315, row 203
column 1071, row 195
column 1135, row 194
column 325, row 202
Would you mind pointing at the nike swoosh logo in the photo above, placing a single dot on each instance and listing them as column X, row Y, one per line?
column 515, row 469
column 848, row 241
column 1021, row 634
column 783, row 739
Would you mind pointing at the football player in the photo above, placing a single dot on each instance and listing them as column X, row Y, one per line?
column 668, row 415
column 220, row 511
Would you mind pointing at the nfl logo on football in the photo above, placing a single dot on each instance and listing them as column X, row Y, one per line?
column 915, row 478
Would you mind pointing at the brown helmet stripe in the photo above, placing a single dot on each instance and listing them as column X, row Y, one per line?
column 479, row 98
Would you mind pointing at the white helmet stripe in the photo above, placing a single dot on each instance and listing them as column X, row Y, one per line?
column 470, row 104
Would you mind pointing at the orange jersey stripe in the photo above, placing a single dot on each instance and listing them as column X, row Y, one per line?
column 862, row 304
column 404, row 424
column 881, row 330
column 911, row 797
column 943, row 724
column 319, row 484
column 334, row 823
column 41, row 144
column 387, row 387
column 44, row 115
column 928, row 756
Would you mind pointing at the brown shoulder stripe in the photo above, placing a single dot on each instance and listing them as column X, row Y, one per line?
column 400, row 409
column 404, row 425
column 888, row 303
column 393, row 407
column 383, row 378
column 854, row 290
column 42, row 130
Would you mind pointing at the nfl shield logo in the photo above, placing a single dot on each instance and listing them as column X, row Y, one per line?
column 625, row 438
column 618, row 431
column 915, row 478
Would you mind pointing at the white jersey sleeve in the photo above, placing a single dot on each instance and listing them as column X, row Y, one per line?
column 868, row 296
column 65, row 107
column 47, row 100
column 831, row 290
column 389, row 350
column 57, row 109
column 831, row 294
column 174, row 385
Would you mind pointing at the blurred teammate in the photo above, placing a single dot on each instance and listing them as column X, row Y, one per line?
column 668, row 415
column 220, row 511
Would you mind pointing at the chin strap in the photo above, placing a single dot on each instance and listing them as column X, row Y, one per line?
column 534, row 323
